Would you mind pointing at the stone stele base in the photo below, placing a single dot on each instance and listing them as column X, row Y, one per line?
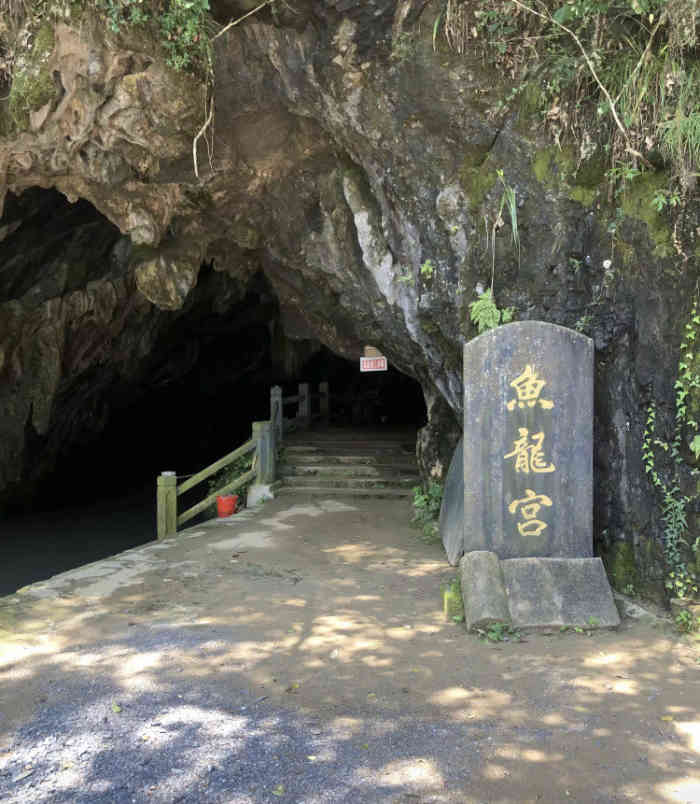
column 536, row 592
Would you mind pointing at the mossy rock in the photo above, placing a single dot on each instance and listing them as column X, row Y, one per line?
column 32, row 85
column 621, row 565
column 636, row 202
column 552, row 165
column 557, row 168
column 476, row 175
column 452, row 603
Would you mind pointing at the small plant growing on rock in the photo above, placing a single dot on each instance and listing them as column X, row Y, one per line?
column 499, row 632
column 485, row 314
column 426, row 509
column 427, row 269
column 686, row 622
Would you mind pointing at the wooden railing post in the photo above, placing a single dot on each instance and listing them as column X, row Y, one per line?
column 262, row 433
column 304, row 411
column 276, row 415
column 325, row 401
column 167, row 504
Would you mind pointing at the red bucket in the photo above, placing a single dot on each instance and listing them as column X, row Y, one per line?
column 226, row 505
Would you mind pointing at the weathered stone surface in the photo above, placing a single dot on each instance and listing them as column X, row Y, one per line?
column 545, row 592
column 528, row 441
column 166, row 276
column 348, row 151
column 452, row 510
column 483, row 590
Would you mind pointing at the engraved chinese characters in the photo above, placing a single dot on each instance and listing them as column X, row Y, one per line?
column 528, row 452
column 528, row 433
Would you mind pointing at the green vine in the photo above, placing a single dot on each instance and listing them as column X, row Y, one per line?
column 681, row 579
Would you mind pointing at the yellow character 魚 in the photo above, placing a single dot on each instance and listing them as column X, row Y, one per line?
column 528, row 387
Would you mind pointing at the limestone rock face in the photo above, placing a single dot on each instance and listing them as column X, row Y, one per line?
column 357, row 166
column 166, row 276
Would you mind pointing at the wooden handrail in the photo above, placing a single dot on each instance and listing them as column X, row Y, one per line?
column 265, row 443
column 211, row 499
column 249, row 446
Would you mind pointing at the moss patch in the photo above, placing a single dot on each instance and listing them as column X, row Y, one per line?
column 452, row 603
column 556, row 168
column 476, row 175
column 636, row 203
column 584, row 195
column 33, row 85
column 531, row 101
column 552, row 165
column 622, row 566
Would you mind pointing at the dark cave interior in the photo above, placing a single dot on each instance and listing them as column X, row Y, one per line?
column 88, row 487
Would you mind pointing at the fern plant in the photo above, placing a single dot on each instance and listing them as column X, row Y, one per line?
column 486, row 315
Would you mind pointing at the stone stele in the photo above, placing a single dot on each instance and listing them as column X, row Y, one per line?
column 528, row 442
column 452, row 508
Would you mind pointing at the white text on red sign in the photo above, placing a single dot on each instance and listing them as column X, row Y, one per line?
column 373, row 364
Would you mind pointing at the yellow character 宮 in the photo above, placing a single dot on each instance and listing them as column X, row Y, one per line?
column 530, row 506
column 529, row 456
column 528, row 387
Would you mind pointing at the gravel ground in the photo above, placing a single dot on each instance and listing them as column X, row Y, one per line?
column 300, row 654
column 191, row 742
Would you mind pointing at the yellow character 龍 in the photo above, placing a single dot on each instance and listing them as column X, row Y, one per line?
column 528, row 456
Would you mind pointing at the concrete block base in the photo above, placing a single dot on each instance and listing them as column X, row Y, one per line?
column 536, row 592
column 259, row 492
column 483, row 590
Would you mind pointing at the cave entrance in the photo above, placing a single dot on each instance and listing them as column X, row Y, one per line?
column 382, row 401
column 140, row 390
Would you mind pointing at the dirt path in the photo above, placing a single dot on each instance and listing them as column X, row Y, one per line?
column 299, row 654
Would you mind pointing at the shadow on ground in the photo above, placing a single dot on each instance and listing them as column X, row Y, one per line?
column 299, row 654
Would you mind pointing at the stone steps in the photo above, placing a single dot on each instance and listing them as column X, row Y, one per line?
column 350, row 481
column 311, row 458
column 348, row 468
column 324, row 491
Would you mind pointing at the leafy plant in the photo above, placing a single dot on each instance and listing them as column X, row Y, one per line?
column 499, row 632
column 485, row 314
column 232, row 472
column 181, row 26
column 426, row 509
column 583, row 324
column 686, row 622
column 427, row 269
column 665, row 198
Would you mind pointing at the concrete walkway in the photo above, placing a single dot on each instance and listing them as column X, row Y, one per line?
column 298, row 653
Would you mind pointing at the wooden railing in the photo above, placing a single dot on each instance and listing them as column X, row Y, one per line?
column 265, row 442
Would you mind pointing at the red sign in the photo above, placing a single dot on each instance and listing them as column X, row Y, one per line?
column 373, row 363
